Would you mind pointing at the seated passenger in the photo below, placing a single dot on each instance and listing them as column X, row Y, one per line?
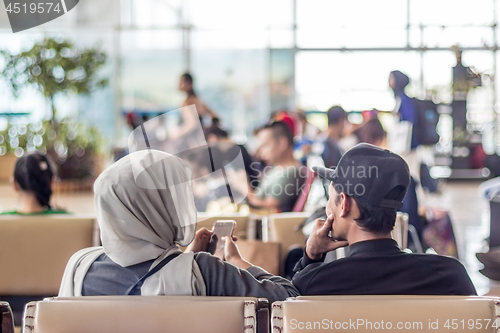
column 32, row 180
column 366, row 189
column 283, row 176
column 145, row 210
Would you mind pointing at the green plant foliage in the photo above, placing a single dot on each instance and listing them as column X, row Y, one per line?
column 55, row 66
column 71, row 145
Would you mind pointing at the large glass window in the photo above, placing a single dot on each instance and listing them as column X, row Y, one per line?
column 255, row 57
column 356, row 80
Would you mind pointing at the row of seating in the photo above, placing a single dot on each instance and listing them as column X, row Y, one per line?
column 175, row 314
column 34, row 250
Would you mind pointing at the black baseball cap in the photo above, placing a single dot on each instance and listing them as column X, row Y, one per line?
column 372, row 174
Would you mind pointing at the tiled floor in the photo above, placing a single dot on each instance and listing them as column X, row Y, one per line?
column 470, row 216
column 469, row 213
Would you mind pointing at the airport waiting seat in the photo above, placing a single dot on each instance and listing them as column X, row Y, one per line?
column 6, row 318
column 282, row 229
column 390, row 312
column 400, row 231
column 124, row 314
column 34, row 251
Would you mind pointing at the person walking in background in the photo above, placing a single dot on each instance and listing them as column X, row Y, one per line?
column 186, row 85
column 405, row 106
column 32, row 180
column 192, row 114
column 407, row 110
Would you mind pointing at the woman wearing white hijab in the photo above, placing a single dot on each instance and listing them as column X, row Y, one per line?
column 145, row 209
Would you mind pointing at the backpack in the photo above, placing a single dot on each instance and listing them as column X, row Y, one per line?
column 438, row 233
column 425, row 127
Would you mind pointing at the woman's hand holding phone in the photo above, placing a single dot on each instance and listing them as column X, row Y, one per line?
column 232, row 254
column 200, row 241
column 320, row 241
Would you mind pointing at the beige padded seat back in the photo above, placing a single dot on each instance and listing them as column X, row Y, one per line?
column 155, row 298
column 207, row 220
column 141, row 314
column 6, row 318
column 282, row 230
column 34, row 251
column 379, row 313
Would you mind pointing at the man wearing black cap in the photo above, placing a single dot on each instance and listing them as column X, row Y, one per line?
column 367, row 187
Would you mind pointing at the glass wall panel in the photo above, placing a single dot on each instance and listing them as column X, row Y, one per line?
column 355, row 80
column 334, row 24
column 234, row 83
column 151, row 64
column 451, row 12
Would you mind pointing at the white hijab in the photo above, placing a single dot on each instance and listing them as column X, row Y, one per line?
column 145, row 207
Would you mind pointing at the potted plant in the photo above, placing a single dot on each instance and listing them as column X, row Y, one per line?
column 54, row 66
column 74, row 147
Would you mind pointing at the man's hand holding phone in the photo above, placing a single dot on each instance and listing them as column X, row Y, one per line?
column 232, row 254
column 320, row 241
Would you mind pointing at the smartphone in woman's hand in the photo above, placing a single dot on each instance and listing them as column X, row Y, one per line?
column 220, row 229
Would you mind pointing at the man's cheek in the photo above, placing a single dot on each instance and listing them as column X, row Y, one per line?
column 328, row 211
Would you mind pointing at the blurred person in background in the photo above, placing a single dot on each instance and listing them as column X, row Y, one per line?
column 372, row 132
column 32, row 181
column 414, row 203
column 224, row 149
column 405, row 106
column 304, row 141
column 337, row 117
column 193, row 114
column 307, row 130
column 186, row 85
column 282, row 178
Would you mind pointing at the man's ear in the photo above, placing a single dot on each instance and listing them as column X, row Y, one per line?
column 345, row 205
